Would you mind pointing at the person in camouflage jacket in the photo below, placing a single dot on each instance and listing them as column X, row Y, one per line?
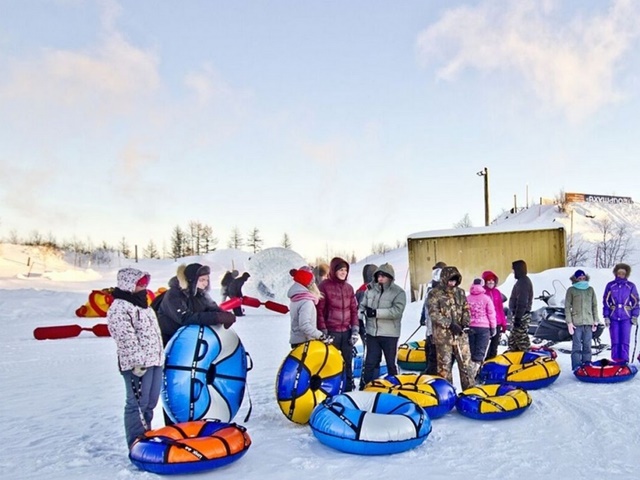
column 449, row 313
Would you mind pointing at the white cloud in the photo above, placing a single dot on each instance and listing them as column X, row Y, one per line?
column 569, row 64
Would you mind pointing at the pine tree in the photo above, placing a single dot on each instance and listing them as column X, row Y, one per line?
column 178, row 243
column 151, row 251
column 254, row 241
column 235, row 241
column 286, row 241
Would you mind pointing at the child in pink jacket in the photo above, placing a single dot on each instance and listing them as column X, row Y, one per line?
column 483, row 323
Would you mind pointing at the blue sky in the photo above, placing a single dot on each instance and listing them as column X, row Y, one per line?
column 342, row 123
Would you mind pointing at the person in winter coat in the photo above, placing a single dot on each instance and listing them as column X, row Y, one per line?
column 498, row 298
column 321, row 273
column 338, row 313
column 449, row 313
column 383, row 304
column 367, row 277
column 187, row 302
column 235, row 291
column 520, row 303
column 620, row 310
column 304, row 296
column 482, row 326
column 224, row 283
column 581, row 312
column 134, row 327
column 432, row 358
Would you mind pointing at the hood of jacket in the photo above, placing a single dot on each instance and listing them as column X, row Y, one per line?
column 519, row 269
column 450, row 273
column 387, row 269
column 127, row 278
column 187, row 276
column 489, row 275
column 334, row 266
column 622, row 266
column 367, row 272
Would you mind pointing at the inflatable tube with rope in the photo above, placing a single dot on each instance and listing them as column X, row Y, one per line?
column 528, row 370
column 310, row 373
column 205, row 374
column 189, row 447
column 493, row 402
column 369, row 423
column 605, row 371
column 435, row 394
column 413, row 356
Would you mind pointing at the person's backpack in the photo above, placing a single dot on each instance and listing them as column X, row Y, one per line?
column 157, row 301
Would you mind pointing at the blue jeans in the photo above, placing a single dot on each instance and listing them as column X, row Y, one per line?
column 581, row 348
column 148, row 389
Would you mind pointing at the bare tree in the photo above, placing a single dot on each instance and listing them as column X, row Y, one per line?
column 561, row 201
column 235, row 241
column 380, row 248
column 124, row 248
column 578, row 253
column 615, row 245
column 465, row 222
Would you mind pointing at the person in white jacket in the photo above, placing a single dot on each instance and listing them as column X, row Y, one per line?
column 134, row 327
column 304, row 296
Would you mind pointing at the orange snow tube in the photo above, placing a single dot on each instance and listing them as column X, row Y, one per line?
column 98, row 304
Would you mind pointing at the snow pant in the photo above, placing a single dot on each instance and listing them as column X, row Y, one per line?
column 376, row 347
column 478, row 342
column 519, row 338
column 458, row 349
column 494, row 343
column 432, row 357
column 342, row 341
column 581, row 345
column 620, row 332
column 142, row 397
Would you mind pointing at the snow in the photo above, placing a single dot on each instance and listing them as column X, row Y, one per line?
column 62, row 400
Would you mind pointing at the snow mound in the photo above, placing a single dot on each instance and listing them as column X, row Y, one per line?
column 269, row 270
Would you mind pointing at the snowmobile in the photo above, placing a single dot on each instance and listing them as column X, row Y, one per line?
column 549, row 324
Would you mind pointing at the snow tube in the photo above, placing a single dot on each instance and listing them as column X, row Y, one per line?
column 528, row 370
column 310, row 373
column 605, row 371
column 97, row 305
column 368, row 423
column 413, row 356
column 435, row 394
column 189, row 447
column 493, row 402
column 205, row 374
column 358, row 362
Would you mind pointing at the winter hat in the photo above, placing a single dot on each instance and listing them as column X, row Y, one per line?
column 579, row 273
column 489, row 276
column 439, row 265
column 144, row 281
column 303, row 276
column 195, row 271
column 478, row 281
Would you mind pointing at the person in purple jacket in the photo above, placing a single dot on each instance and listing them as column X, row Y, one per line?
column 338, row 313
column 620, row 311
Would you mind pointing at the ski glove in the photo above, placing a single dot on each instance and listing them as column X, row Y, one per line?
column 634, row 320
column 455, row 328
column 571, row 328
column 355, row 334
column 139, row 370
column 370, row 312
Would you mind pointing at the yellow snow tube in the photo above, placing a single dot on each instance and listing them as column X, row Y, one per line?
column 435, row 394
column 310, row 373
column 97, row 305
column 528, row 370
column 412, row 356
column 493, row 402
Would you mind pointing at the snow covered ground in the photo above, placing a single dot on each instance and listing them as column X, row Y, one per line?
column 62, row 400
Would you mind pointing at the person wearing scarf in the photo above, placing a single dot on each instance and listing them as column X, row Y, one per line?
column 581, row 312
column 134, row 327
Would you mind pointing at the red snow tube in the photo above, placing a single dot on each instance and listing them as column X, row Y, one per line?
column 605, row 371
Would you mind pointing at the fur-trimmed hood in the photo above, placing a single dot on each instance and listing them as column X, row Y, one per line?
column 622, row 266
column 187, row 277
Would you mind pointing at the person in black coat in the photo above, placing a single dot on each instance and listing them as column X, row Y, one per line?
column 520, row 303
column 235, row 290
column 224, row 283
column 187, row 302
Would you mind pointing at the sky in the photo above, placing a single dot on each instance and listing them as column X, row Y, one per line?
column 62, row 400
column 342, row 124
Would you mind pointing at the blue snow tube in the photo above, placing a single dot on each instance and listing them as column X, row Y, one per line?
column 368, row 423
column 205, row 374
column 493, row 402
column 358, row 362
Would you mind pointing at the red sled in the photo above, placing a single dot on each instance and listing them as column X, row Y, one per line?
column 254, row 302
column 69, row 331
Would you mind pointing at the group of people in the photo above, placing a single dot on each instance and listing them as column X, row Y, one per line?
column 460, row 327
column 334, row 313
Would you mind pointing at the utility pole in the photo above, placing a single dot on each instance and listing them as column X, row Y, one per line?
column 485, row 173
